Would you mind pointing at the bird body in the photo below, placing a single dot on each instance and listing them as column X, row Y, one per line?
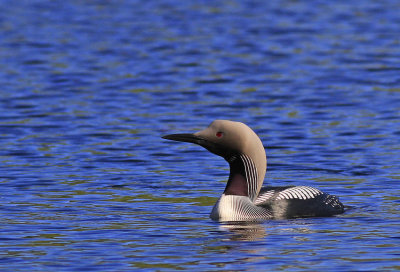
column 244, row 199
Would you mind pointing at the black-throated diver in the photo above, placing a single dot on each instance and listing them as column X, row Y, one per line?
column 243, row 198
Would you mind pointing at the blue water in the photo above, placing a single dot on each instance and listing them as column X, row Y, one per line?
column 87, row 88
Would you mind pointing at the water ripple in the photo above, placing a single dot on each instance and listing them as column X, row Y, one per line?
column 88, row 89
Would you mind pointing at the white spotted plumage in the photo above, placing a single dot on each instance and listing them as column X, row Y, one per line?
column 299, row 192
column 264, row 197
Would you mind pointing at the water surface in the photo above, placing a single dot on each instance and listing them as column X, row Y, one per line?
column 88, row 89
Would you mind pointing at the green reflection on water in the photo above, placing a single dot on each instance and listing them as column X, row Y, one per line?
column 249, row 90
column 197, row 201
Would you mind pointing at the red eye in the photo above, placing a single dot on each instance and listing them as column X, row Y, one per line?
column 219, row 134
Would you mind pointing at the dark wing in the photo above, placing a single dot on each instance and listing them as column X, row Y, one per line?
column 298, row 201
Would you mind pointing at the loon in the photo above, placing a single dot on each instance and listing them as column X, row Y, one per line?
column 243, row 198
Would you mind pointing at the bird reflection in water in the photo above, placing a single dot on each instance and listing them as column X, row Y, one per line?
column 244, row 231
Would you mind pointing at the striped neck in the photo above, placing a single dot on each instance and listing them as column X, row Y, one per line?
column 242, row 177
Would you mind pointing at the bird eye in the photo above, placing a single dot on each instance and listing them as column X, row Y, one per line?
column 219, row 134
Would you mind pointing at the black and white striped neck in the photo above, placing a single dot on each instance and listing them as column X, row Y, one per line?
column 242, row 177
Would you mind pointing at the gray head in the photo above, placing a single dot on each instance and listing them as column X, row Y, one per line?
column 230, row 140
